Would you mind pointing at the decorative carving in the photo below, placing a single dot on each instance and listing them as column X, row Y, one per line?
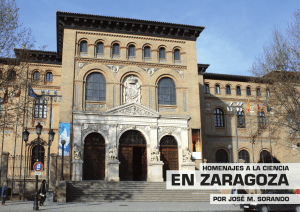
column 133, row 109
column 132, row 91
column 80, row 66
column 155, row 154
column 103, row 128
column 150, row 71
column 179, row 72
column 169, row 131
column 123, row 127
column 113, row 153
column 77, row 152
column 187, row 155
column 115, row 69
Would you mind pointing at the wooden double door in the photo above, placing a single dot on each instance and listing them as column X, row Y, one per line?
column 132, row 156
column 94, row 157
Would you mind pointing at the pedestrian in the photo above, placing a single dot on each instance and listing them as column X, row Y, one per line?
column 4, row 193
column 42, row 193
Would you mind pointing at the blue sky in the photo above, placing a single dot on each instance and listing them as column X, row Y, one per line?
column 235, row 30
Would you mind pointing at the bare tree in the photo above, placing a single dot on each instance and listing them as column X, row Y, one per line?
column 277, row 70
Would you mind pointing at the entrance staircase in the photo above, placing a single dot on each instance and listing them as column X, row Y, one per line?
column 133, row 191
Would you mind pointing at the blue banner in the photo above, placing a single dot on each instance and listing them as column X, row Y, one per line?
column 65, row 131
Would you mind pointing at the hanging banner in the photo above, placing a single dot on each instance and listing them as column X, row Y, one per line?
column 65, row 132
column 197, row 145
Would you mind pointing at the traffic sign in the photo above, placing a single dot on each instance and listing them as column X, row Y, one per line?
column 38, row 166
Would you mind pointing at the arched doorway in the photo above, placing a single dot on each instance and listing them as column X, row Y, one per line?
column 133, row 156
column 94, row 157
column 266, row 157
column 169, row 154
column 221, row 156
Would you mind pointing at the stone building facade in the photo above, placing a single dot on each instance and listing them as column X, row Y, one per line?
column 132, row 91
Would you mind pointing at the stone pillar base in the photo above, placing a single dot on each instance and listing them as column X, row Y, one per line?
column 77, row 170
column 113, row 170
column 191, row 166
column 49, row 196
column 156, row 172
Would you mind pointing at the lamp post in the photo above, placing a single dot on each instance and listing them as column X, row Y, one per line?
column 63, row 142
column 51, row 138
column 39, row 128
column 25, row 138
column 230, row 148
column 237, row 108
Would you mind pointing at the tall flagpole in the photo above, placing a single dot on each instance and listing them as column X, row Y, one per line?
column 12, row 181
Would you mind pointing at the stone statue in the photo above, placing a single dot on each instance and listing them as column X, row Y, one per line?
column 187, row 155
column 77, row 152
column 112, row 153
column 155, row 154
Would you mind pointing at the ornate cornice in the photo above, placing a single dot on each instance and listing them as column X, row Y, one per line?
column 128, row 63
column 88, row 22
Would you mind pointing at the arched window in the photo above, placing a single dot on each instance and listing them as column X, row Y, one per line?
column 248, row 89
column 131, row 51
column 162, row 53
column 40, row 156
column 261, row 120
column 40, row 109
column 95, row 89
column 228, row 89
column 221, row 156
column 83, row 46
column 49, row 77
column 147, row 52
column 217, row 89
column 265, row 156
column 36, row 75
column 116, row 50
column 244, row 154
column 206, row 88
column 268, row 92
column 258, row 92
column 219, row 118
column 100, row 49
column 177, row 55
column 166, row 92
column 238, row 90
column 241, row 119
column 11, row 75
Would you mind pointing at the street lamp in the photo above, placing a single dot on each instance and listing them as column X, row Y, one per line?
column 39, row 128
column 63, row 142
column 51, row 138
column 237, row 108
column 25, row 138
column 230, row 148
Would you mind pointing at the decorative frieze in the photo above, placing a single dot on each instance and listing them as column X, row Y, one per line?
column 125, row 127
column 169, row 131
column 103, row 128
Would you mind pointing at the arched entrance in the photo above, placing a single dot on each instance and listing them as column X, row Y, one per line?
column 133, row 156
column 94, row 157
column 169, row 154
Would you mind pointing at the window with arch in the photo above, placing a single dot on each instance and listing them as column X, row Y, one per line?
column 221, row 156
column 177, row 56
column 100, row 49
column 217, row 89
column 12, row 75
column 166, row 91
column 116, row 50
column 261, row 119
column 40, row 109
column 95, row 89
column 147, row 52
column 244, row 154
column 40, row 156
column 238, row 90
column 241, row 119
column 36, row 75
column 268, row 92
column 162, row 54
column 258, row 93
column 248, row 89
column 83, row 48
column 131, row 51
column 206, row 88
column 228, row 89
column 49, row 77
column 219, row 118
column 265, row 156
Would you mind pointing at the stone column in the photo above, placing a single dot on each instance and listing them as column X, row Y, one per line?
column 113, row 170
column 190, row 166
column 184, row 144
column 153, row 137
column 112, row 139
column 77, row 162
column 156, row 173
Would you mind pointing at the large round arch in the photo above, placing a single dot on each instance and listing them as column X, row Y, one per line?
column 133, row 156
column 94, row 157
column 169, row 154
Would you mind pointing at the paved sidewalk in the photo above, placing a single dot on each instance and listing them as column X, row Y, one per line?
column 120, row 206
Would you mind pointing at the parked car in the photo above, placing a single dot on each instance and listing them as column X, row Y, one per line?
column 272, row 207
